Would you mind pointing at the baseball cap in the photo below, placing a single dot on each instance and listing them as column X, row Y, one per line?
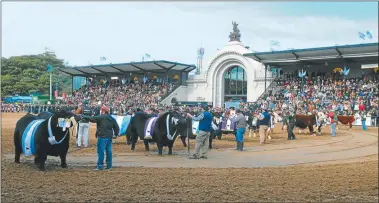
column 105, row 109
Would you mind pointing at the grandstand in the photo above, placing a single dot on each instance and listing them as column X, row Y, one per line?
column 165, row 70
column 323, row 58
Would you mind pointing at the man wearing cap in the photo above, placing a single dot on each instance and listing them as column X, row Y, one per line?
column 291, row 121
column 264, row 119
column 241, row 128
column 202, row 139
column 107, row 128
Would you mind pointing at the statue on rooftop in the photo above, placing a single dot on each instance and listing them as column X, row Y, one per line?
column 235, row 35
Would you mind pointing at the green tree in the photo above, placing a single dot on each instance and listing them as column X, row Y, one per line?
column 28, row 74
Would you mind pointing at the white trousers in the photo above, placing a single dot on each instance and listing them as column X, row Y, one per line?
column 83, row 134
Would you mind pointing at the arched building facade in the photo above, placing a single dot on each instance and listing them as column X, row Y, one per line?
column 229, row 76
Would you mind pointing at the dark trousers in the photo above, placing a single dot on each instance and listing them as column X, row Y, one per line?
column 291, row 135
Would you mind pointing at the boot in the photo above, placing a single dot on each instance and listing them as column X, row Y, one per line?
column 241, row 146
column 238, row 146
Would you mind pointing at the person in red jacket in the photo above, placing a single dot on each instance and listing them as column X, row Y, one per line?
column 361, row 106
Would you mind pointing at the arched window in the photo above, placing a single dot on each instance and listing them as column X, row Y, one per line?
column 235, row 81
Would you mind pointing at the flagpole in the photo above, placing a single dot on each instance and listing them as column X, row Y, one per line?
column 51, row 88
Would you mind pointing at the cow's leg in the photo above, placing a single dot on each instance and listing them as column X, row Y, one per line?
column 133, row 140
column 210, row 142
column 160, row 149
column 128, row 140
column 63, row 159
column 170, row 144
column 310, row 128
column 146, row 142
column 219, row 134
column 249, row 132
column 42, row 159
column 17, row 148
column 350, row 125
column 183, row 138
column 36, row 160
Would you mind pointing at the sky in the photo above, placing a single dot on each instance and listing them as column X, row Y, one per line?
column 82, row 32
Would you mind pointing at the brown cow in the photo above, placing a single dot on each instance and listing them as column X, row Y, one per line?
column 304, row 121
column 346, row 120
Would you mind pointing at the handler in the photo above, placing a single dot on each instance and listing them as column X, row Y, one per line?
column 202, row 139
column 106, row 125
column 264, row 119
column 241, row 128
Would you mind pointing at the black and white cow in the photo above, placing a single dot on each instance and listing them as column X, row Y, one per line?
column 162, row 130
column 38, row 136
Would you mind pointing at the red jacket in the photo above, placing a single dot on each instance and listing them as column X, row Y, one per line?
column 361, row 107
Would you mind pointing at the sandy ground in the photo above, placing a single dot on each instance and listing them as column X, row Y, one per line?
column 355, row 181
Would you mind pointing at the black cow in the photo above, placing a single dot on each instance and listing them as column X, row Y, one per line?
column 45, row 115
column 177, row 126
column 49, row 139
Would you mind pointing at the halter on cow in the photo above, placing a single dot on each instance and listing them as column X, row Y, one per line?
column 36, row 135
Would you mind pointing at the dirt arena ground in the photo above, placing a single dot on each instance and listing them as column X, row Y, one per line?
column 356, row 181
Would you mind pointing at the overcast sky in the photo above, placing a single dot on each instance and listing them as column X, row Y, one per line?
column 81, row 33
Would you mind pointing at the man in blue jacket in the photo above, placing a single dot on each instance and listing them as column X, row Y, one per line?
column 205, row 119
column 264, row 119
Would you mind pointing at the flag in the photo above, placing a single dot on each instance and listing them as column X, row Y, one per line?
column 147, row 55
column 274, row 43
column 346, row 71
column 123, row 123
column 103, row 58
column 49, row 68
column 369, row 35
column 302, row 73
column 361, row 35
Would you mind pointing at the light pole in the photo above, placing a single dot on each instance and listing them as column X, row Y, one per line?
column 50, row 70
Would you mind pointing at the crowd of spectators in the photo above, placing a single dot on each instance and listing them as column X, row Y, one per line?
column 322, row 92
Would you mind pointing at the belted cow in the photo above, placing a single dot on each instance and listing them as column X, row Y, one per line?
column 162, row 130
column 43, row 135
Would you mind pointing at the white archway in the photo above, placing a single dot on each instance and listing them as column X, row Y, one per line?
column 217, row 70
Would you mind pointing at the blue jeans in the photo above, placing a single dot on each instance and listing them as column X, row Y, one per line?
column 240, row 133
column 333, row 128
column 104, row 144
column 364, row 127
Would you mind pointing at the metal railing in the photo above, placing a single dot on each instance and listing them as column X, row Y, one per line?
column 271, row 87
column 169, row 92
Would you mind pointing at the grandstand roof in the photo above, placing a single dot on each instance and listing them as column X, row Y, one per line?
column 357, row 53
column 132, row 67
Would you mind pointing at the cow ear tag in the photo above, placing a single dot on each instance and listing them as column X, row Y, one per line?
column 68, row 123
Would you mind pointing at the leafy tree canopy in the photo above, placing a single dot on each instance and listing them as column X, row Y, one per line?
column 28, row 74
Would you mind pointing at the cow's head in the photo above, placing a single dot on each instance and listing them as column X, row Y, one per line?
column 69, row 117
column 181, row 124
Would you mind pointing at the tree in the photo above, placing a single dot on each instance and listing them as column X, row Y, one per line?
column 28, row 74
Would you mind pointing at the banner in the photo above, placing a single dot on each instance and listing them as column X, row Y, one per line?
column 234, row 104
